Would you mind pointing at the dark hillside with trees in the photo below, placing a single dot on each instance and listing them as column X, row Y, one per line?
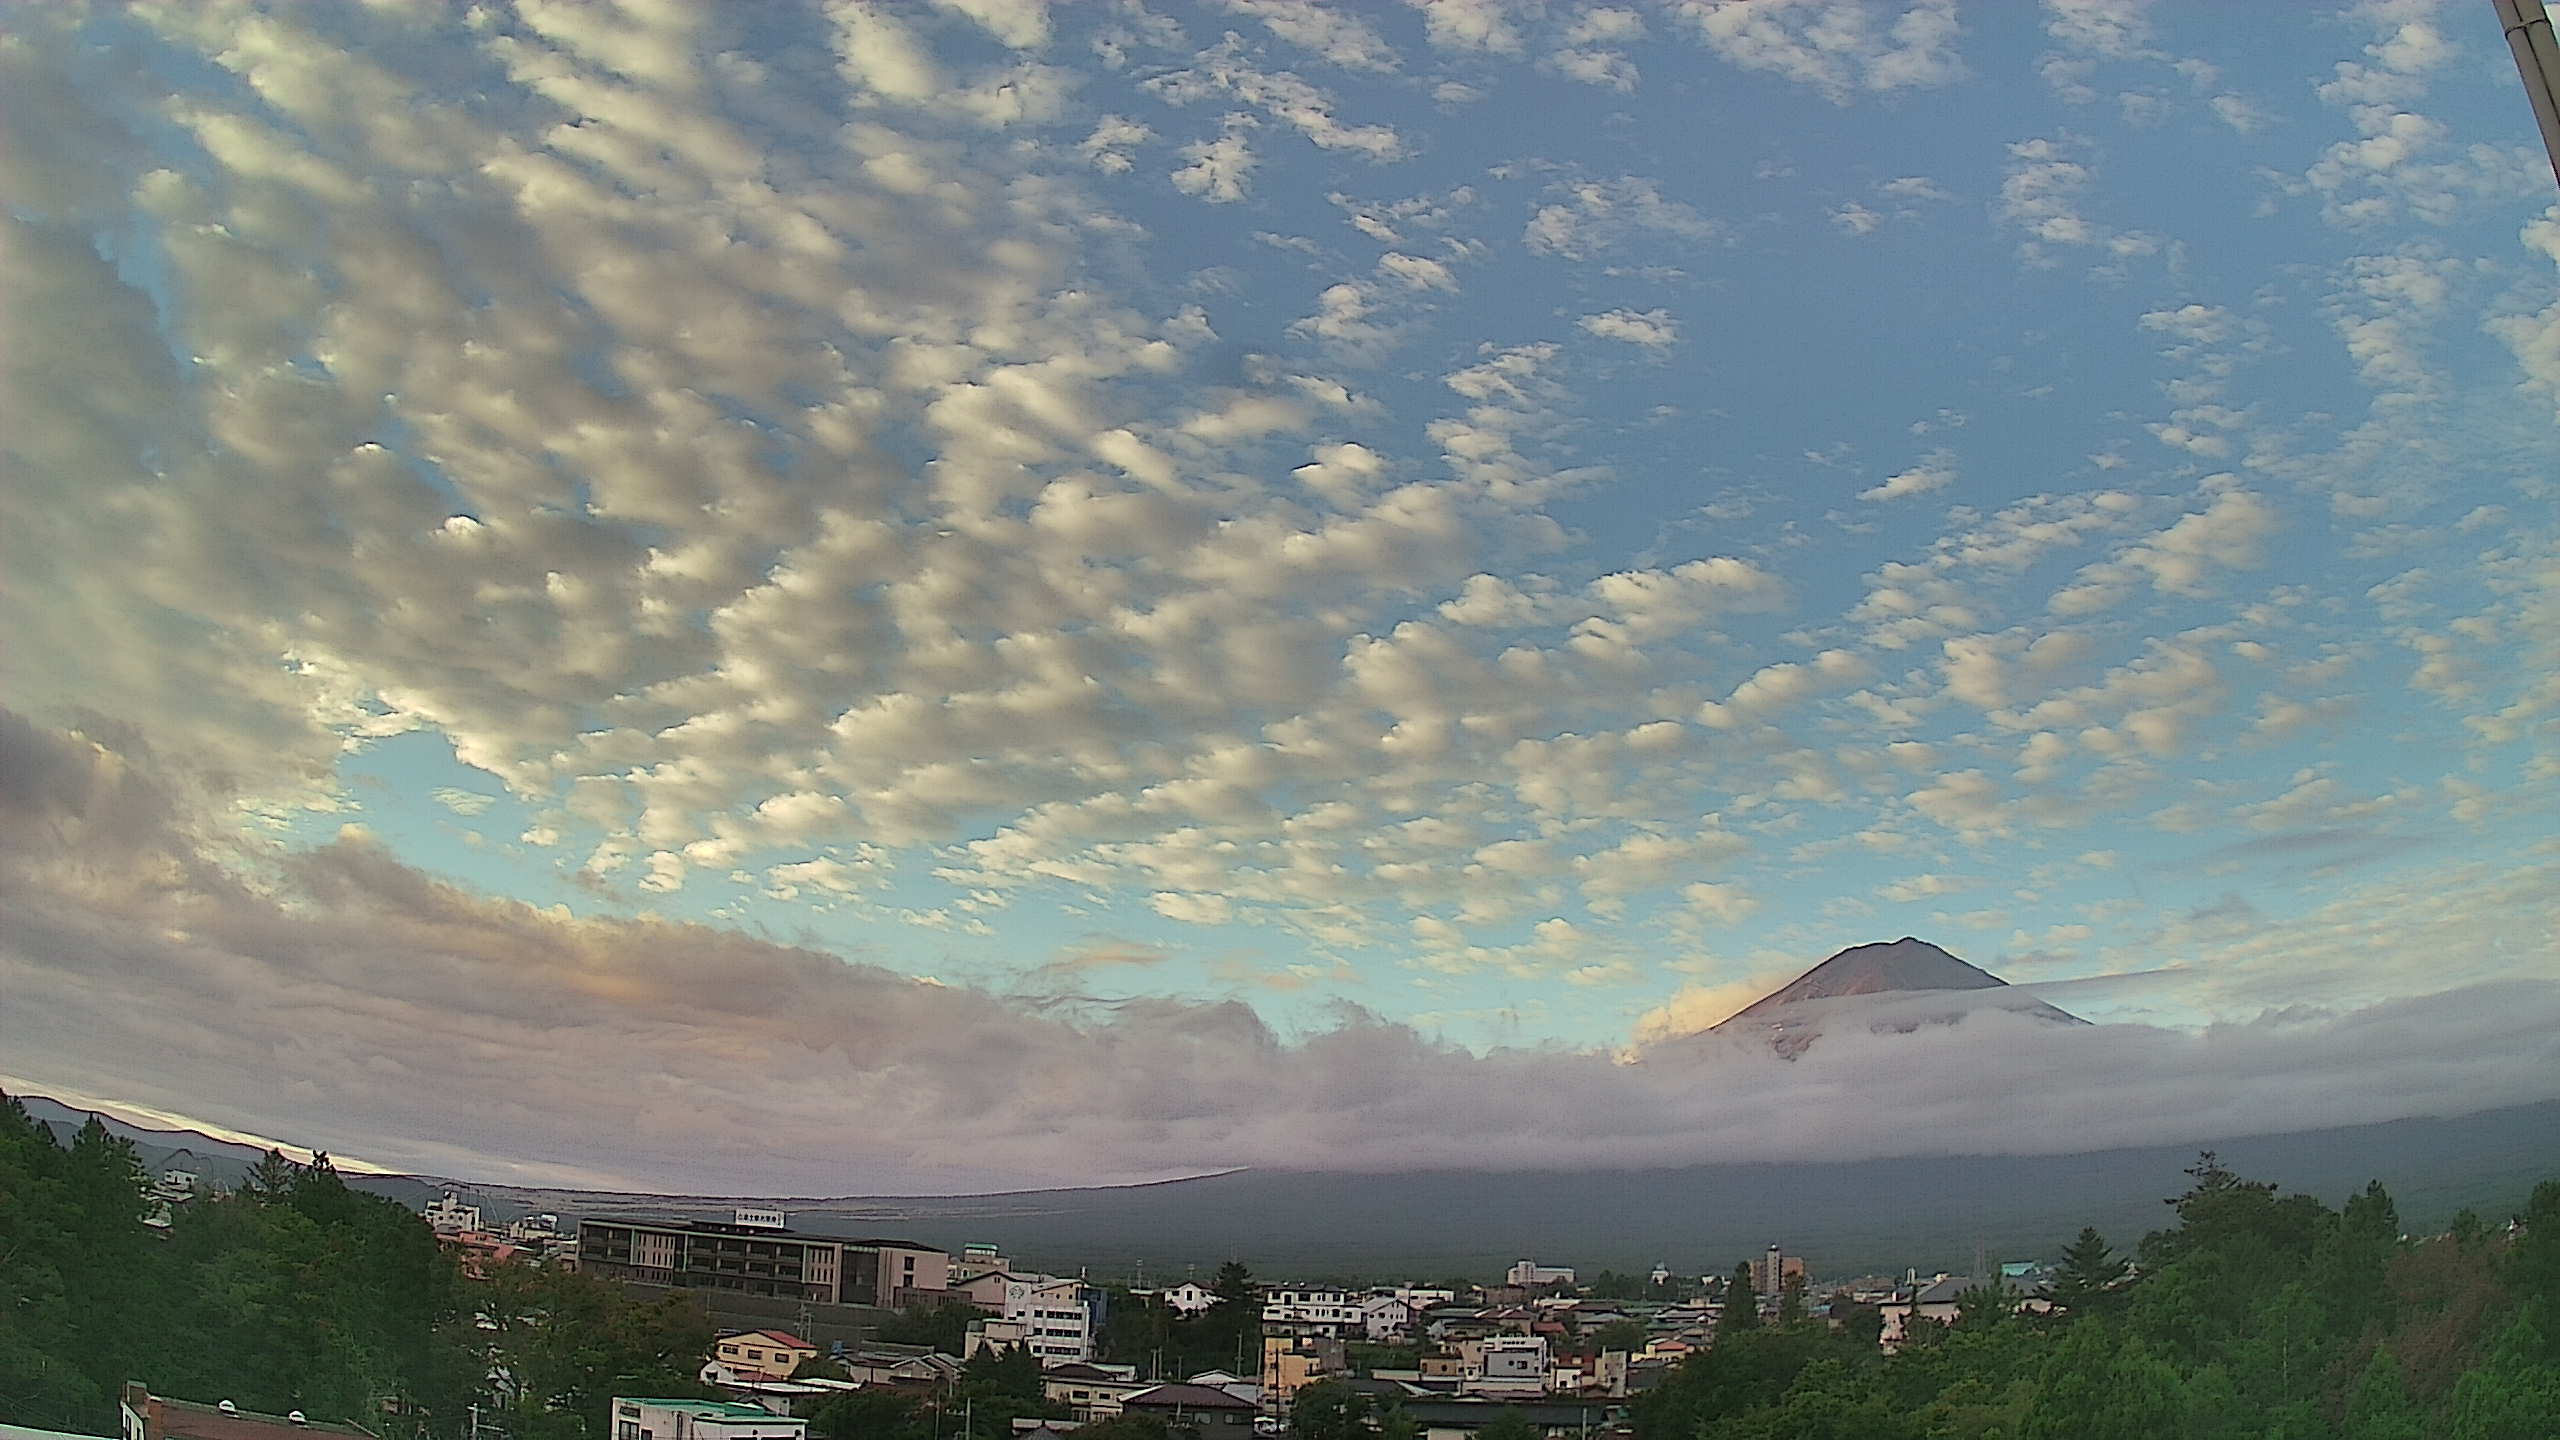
column 293, row 1291
column 2254, row 1316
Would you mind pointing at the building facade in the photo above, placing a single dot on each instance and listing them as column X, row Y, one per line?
column 637, row 1418
column 762, row 1354
column 1769, row 1273
column 712, row 1255
column 1530, row 1275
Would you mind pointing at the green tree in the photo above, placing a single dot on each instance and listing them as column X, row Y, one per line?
column 870, row 1413
column 2089, row 1272
column 1626, row 1335
column 1741, row 1304
column 2514, row 1394
column 2103, row 1385
column 1511, row 1424
column 1791, row 1300
column 1330, row 1410
column 2380, row 1408
column 942, row 1324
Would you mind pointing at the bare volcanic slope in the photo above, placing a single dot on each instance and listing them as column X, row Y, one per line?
column 1789, row 1016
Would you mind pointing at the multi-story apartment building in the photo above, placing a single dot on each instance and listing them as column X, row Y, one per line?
column 1306, row 1308
column 1056, row 1315
column 448, row 1215
column 758, row 1255
column 714, row 1255
column 1769, row 1273
column 1290, row 1363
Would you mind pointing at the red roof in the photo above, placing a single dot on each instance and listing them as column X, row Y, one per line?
column 783, row 1338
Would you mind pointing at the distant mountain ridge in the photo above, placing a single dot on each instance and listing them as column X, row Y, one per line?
column 1847, row 1217
column 1788, row 1015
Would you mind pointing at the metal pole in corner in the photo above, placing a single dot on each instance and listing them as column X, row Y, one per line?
column 2537, row 53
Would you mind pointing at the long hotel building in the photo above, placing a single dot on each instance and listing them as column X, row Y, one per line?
column 758, row 1258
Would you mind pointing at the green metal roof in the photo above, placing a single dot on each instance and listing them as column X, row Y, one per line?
column 729, row 1409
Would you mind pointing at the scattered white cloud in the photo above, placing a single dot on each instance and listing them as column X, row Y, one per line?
column 1652, row 329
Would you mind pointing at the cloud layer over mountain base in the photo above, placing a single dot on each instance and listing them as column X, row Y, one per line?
column 339, row 997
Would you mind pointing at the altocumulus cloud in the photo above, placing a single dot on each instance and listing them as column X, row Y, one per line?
column 337, row 996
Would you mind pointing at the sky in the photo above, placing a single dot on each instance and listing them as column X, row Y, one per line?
column 910, row 597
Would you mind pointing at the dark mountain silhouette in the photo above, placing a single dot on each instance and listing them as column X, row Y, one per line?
column 1846, row 1217
column 1790, row 1016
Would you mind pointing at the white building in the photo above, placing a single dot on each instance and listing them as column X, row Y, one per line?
column 1332, row 1310
column 447, row 1215
column 1530, row 1275
column 641, row 1419
column 1385, row 1316
column 1055, row 1316
column 1505, row 1365
column 1188, row 1298
column 542, row 1229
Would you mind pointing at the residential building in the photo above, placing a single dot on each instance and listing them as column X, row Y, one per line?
column 1385, row 1316
column 636, row 1418
column 448, row 1215
column 1934, row 1300
column 1199, row 1411
column 908, row 1367
column 1333, row 1311
column 1054, row 1318
column 797, row 1399
column 1235, row 1385
column 1058, row 1313
column 1188, row 1298
column 761, row 1354
column 984, row 1289
column 977, row 1260
column 1291, row 1362
column 1514, row 1365
column 906, row 1273
column 538, row 1232
column 1530, row 1275
column 1093, row 1392
column 145, row 1416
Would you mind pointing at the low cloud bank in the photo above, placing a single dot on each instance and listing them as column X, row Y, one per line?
column 339, row 997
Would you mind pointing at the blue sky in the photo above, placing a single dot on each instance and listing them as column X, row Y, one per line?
column 1534, row 523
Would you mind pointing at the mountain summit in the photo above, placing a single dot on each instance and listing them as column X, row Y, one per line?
column 1909, row 965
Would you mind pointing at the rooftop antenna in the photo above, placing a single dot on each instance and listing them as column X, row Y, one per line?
column 2537, row 55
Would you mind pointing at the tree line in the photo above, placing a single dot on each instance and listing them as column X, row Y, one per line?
column 293, row 1291
column 2254, row 1316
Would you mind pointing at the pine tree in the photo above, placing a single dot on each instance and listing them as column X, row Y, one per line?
column 2089, row 1272
column 1741, row 1303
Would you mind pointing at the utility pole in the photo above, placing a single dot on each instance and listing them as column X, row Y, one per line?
column 2537, row 55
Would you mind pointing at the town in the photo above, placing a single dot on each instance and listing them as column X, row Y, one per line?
column 799, row 1319
column 283, row 1299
